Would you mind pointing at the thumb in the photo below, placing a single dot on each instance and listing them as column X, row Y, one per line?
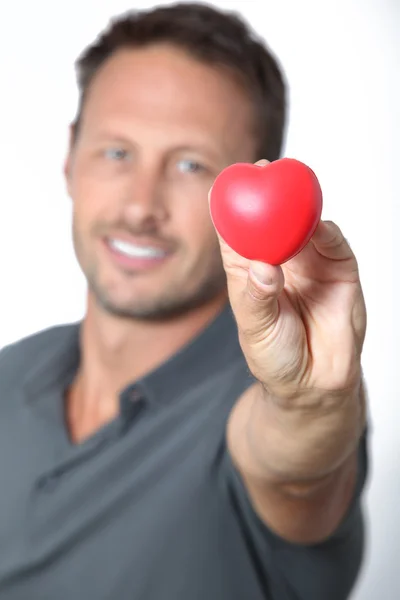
column 259, row 310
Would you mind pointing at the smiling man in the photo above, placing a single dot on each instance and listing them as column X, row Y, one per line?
column 201, row 433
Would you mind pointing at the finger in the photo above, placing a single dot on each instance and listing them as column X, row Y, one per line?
column 257, row 309
column 330, row 242
column 254, row 288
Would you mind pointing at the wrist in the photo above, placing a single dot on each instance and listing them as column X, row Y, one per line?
column 308, row 440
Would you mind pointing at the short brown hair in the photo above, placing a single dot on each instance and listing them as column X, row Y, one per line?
column 212, row 36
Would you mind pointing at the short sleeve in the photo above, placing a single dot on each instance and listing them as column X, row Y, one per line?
column 323, row 571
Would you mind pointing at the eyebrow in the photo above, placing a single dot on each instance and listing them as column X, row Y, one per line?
column 108, row 136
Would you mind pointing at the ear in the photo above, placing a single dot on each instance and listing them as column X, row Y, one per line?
column 68, row 158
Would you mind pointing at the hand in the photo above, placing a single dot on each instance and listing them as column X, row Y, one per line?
column 302, row 325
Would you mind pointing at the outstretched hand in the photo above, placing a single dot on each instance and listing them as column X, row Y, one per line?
column 301, row 325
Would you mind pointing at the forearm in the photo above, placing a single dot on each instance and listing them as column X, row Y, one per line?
column 306, row 515
column 302, row 443
column 299, row 467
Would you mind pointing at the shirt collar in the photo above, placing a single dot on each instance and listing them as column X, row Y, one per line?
column 205, row 356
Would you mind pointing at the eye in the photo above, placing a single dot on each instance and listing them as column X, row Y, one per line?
column 117, row 154
column 189, row 166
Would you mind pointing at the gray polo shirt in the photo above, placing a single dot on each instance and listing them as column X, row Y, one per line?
column 150, row 507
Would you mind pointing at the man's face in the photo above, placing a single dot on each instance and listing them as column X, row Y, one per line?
column 157, row 127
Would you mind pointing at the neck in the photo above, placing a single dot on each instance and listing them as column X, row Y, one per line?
column 115, row 351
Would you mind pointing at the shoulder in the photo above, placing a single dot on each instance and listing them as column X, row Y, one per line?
column 19, row 358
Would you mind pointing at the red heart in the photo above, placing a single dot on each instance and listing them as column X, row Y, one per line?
column 266, row 213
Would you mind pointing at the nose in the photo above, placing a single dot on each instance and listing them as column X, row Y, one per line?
column 144, row 195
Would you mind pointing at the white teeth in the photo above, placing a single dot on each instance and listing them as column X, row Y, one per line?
column 136, row 251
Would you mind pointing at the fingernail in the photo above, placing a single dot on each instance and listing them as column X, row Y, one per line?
column 261, row 272
column 327, row 231
column 262, row 163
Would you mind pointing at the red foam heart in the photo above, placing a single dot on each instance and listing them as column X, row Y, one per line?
column 266, row 213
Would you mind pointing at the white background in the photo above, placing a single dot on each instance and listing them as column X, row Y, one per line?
column 342, row 60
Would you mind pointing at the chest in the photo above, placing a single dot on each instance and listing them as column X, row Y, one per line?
column 140, row 513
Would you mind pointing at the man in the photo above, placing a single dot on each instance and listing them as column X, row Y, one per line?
column 200, row 435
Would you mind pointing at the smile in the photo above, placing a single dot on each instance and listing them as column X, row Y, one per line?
column 133, row 251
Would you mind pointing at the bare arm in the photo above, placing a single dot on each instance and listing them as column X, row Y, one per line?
column 300, row 468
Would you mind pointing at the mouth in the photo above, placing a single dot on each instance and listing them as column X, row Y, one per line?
column 135, row 251
column 133, row 256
